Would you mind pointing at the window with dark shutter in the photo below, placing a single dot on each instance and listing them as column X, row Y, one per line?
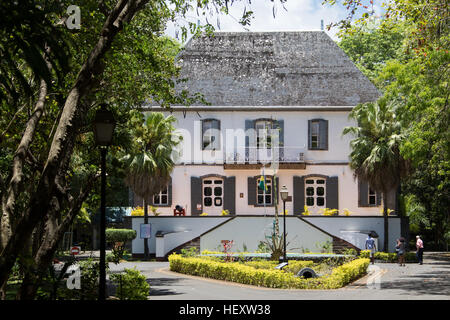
column 210, row 134
column 367, row 196
column 299, row 195
column 318, row 134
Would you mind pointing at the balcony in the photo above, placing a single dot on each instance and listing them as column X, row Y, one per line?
column 255, row 158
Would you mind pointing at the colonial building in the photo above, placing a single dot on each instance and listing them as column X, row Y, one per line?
column 277, row 103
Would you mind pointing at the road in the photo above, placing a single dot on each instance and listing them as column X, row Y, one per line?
column 385, row 281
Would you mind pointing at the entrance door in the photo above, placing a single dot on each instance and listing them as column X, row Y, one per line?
column 315, row 194
column 212, row 196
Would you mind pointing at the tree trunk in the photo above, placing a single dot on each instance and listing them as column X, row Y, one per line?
column 16, row 181
column 54, row 233
column 386, row 223
column 146, row 251
column 65, row 134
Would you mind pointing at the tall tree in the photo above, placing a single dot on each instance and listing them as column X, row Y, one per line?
column 375, row 155
column 151, row 162
column 38, row 146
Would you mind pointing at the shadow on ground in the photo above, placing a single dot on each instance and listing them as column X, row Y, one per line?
column 156, row 283
column 434, row 280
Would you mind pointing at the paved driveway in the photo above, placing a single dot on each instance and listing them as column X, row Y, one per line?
column 385, row 281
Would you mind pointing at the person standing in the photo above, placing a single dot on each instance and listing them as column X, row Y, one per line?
column 401, row 251
column 370, row 245
column 419, row 247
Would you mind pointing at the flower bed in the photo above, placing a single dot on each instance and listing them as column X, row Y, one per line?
column 271, row 278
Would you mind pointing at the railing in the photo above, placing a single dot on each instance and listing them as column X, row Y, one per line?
column 266, row 155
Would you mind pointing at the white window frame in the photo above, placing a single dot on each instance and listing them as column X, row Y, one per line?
column 210, row 135
column 263, row 133
column 371, row 195
column 315, row 185
column 315, row 132
column 213, row 184
column 160, row 202
column 268, row 194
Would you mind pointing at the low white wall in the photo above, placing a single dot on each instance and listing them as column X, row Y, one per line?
column 247, row 232
column 179, row 229
column 338, row 225
column 250, row 230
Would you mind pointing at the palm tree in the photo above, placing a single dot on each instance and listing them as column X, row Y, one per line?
column 375, row 155
column 149, row 164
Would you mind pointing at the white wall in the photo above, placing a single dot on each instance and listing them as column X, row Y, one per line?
column 183, row 230
column 249, row 231
column 295, row 132
column 335, row 226
column 331, row 162
column 348, row 187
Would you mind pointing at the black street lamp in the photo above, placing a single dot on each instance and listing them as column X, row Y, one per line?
column 284, row 192
column 104, row 125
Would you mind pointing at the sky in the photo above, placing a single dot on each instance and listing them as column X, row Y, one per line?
column 296, row 15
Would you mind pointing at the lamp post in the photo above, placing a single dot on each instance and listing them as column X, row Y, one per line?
column 284, row 192
column 104, row 125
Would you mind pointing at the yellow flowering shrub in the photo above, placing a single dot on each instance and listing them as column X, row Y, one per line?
column 138, row 211
column 271, row 278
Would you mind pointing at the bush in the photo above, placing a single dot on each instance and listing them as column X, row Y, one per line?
column 388, row 256
column 119, row 237
column 272, row 278
column 90, row 272
column 131, row 285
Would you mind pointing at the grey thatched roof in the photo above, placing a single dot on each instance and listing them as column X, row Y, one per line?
column 272, row 69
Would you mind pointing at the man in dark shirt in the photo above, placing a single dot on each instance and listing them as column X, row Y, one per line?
column 370, row 245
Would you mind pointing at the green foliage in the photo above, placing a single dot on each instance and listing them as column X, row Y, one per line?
column 388, row 256
column 120, row 235
column 371, row 48
column 241, row 273
column 131, row 285
column 191, row 252
column 90, row 272
column 150, row 160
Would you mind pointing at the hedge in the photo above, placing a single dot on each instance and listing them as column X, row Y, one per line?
column 271, row 278
column 120, row 235
column 388, row 256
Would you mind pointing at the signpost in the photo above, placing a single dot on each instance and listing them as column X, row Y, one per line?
column 75, row 250
column 146, row 231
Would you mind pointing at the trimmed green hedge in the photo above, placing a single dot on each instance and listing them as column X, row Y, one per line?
column 271, row 278
column 120, row 235
column 388, row 256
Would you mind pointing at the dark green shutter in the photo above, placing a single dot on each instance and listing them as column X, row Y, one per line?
column 196, row 195
column 309, row 134
column 250, row 140
column 299, row 195
column 332, row 198
column 251, row 191
column 323, row 134
column 280, row 125
column 229, row 194
column 363, row 190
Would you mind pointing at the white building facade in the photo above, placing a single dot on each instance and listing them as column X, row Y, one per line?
column 277, row 105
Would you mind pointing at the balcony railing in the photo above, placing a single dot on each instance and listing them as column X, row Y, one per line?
column 254, row 155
